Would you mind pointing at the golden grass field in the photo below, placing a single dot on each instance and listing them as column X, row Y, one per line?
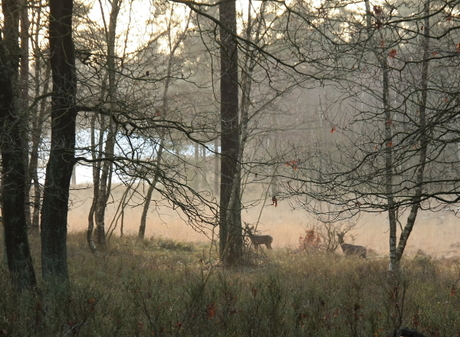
column 436, row 234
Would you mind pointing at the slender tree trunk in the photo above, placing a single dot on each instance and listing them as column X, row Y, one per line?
column 105, row 178
column 217, row 167
column 24, row 98
column 39, row 113
column 230, row 230
column 389, row 168
column 162, row 134
column 423, row 139
column 62, row 153
column 13, row 151
column 397, row 248
column 148, row 197
column 96, row 166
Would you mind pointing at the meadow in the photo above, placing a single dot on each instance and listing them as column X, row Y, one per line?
column 172, row 284
column 159, row 287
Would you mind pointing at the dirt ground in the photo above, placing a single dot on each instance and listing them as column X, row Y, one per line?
column 436, row 234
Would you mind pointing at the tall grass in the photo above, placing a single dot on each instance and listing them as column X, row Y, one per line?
column 167, row 288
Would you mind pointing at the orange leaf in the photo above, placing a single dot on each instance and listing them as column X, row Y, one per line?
column 293, row 164
column 458, row 48
column 334, row 129
column 211, row 310
column 390, row 144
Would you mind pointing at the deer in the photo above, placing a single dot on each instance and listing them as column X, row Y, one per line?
column 258, row 240
column 351, row 250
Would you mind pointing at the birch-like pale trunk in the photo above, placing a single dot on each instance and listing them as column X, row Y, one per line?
column 423, row 139
column 397, row 247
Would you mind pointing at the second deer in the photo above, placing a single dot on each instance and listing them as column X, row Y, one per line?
column 258, row 240
column 351, row 250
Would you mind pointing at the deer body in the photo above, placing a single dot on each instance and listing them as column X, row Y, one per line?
column 258, row 240
column 351, row 250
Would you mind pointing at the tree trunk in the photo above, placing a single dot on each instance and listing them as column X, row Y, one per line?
column 423, row 140
column 39, row 113
column 397, row 248
column 24, row 99
column 148, row 197
column 13, row 150
column 105, row 177
column 62, row 153
column 162, row 133
column 230, row 229
column 96, row 166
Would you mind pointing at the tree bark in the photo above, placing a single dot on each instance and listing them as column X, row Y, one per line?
column 13, row 150
column 38, row 116
column 423, row 140
column 106, row 169
column 24, row 97
column 230, row 230
column 62, row 153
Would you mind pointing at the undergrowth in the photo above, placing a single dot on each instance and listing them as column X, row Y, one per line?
column 167, row 288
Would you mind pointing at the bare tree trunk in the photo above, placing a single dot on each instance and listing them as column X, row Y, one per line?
column 162, row 135
column 230, row 229
column 148, row 197
column 217, row 167
column 39, row 113
column 24, row 95
column 96, row 166
column 397, row 249
column 106, row 172
column 90, row 230
column 13, row 152
column 423, row 139
column 62, row 154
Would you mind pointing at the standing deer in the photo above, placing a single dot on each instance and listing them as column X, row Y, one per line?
column 351, row 250
column 258, row 240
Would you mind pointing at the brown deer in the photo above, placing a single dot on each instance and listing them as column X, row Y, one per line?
column 258, row 240
column 351, row 250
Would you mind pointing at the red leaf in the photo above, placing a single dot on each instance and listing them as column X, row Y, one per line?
column 392, row 53
column 378, row 10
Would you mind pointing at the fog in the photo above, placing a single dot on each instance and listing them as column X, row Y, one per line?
column 436, row 234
